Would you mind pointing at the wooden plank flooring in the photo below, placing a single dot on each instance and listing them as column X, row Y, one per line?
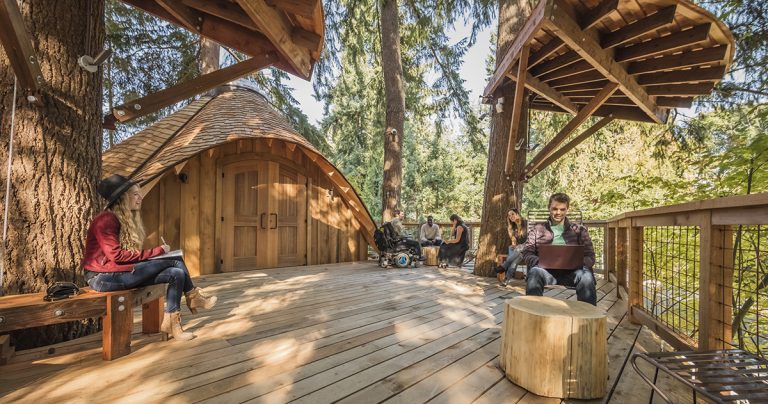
column 351, row 333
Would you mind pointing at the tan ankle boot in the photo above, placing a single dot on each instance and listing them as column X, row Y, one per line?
column 196, row 299
column 172, row 326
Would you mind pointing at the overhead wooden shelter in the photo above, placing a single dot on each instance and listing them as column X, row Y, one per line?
column 230, row 182
column 615, row 59
column 287, row 34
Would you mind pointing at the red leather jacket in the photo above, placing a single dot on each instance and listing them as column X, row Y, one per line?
column 102, row 247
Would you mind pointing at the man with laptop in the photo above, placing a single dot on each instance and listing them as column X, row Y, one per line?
column 559, row 252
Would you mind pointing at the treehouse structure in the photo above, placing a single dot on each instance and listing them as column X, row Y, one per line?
column 633, row 60
column 230, row 182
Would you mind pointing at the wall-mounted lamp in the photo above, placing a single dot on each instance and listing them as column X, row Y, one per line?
column 329, row 193
column 500, row 105
column 183, row 177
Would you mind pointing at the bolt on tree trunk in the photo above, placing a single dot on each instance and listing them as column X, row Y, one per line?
column 56, row 158
column 501, row 192
column 394, row 91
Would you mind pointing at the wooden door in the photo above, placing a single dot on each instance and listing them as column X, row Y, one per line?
column 291, row 217
column 245, row 200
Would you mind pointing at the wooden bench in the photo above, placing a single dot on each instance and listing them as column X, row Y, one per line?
column 115, row 308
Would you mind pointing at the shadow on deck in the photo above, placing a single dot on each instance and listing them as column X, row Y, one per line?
column 346, row 332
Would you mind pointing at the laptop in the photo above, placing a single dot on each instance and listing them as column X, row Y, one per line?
column 561, row 256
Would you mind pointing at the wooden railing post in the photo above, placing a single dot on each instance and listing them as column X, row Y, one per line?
column 621, row 260
column 715, row 285
column 609, row 250
column 635, row 271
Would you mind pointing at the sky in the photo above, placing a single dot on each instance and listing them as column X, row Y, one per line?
column 472, row 71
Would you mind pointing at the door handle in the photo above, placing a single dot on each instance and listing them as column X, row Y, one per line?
column 275, row 220
column 261, row 220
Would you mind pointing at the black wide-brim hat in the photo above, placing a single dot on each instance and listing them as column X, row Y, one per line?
column 113, row 187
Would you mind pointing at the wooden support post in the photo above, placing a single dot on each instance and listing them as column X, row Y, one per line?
column 609, row 259
column 622, row 255
column 517, row 106
column 6, row 350
column 152, row 316
column 635, row 271
column 582, row 116
column 575, row 142
column 117, row 325
column 161, row 99
column 17, row 44
column 715, row 280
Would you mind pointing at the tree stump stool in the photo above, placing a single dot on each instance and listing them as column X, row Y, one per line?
column 555, row 348
column 430, row 253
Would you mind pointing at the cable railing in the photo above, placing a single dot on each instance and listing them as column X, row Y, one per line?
column 696, row 273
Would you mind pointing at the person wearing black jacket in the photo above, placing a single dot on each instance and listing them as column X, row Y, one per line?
column 559, row 230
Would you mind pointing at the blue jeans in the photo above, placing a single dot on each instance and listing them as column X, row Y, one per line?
column 582, row 279
column 510, row 264
column 152, row 272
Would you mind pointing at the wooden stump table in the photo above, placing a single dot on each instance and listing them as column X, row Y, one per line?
column 430, row 253
column 555, row 348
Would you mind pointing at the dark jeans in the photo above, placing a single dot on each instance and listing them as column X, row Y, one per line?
column 412, row 244
column 582, row 279
column 172, row 272
column 436, row 242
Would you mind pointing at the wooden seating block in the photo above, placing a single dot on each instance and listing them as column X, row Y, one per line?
column 555, row 348
column 430, row 253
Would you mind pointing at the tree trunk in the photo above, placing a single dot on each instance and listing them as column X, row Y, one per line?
column 209, row 56
column 394, row 90
column 502, row 193
column 56, row 158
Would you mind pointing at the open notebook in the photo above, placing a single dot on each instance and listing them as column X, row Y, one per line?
column 175, row 254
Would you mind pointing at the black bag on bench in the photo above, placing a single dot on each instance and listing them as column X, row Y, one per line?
column 61, row 290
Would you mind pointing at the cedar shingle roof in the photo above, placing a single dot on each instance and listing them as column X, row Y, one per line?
column 232, row 114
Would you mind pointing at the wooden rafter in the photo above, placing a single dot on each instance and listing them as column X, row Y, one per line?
column 161, row 99
column 594, row 85
column 579, row 67
column 575, row 142
column 544, row 90
column 564, row 26
column 583, row 77
column 517, row 106
column 681, row 89
column 574, row 123
column 224, row 10
column 545, row 51
column 683, row 76
column 306, row 39
column 679, row 61
column 18, row 46
column 189, row 18
column 638, row 28
column 304, row 8
column 523, row 38
column 558, row 62
column 276, row 27
column 595, row 15
column 664, row 44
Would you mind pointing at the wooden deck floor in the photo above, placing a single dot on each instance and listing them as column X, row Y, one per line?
column 350, row 332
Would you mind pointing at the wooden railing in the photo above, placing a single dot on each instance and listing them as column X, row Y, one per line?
column 692, row 271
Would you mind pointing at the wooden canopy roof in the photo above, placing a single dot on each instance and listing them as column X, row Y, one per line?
column 235, row 112
column 291, row 29
column 624, row 59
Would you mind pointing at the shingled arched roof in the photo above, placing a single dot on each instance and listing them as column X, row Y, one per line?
column 233, row 113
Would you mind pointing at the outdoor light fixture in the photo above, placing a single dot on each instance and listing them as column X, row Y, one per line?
column 329, row 193
column 91, row 64
column 500, row 105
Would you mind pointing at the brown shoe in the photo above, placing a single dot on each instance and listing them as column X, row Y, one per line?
column 196, row 300
column 172, row 326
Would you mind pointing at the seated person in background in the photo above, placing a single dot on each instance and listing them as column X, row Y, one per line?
column 452, row 251
column 397, row 225
column 517, row 228
column 557, row 230
column 430, row 233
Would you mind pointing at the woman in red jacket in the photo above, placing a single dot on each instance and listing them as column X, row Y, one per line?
column 114, row 258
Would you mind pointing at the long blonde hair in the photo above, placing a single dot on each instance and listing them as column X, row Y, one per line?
column 132, row 232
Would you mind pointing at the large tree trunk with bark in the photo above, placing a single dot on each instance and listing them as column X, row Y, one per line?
column 501, row 191
column 56, row 158
column 394, row 90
